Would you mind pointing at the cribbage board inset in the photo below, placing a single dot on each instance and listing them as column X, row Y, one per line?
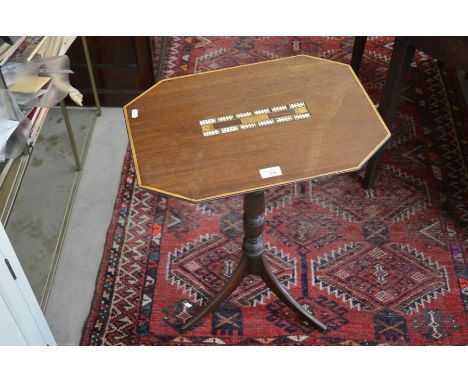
column 257, row 118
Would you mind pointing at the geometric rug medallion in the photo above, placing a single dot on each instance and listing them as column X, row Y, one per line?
column 202, row 268
column 395, row 276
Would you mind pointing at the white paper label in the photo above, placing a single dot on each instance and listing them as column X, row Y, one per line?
column 134, row 113
column 270, row 172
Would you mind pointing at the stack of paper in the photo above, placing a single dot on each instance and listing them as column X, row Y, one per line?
column 28, row 88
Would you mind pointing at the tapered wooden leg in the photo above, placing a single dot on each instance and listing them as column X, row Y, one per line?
column 230, row 287
column 400, row 62
column 270, row 279
column 358, row 52
column 372, row 167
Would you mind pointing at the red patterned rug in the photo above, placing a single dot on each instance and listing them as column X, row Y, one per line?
column 385, row 267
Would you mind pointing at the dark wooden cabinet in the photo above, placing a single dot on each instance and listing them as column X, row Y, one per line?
column 123, row 68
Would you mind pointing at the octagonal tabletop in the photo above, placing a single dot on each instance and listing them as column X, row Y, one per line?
column 250, row 127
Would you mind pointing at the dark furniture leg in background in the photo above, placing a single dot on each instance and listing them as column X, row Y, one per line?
column 399, row 66
column 162, row 55
column 358, row 52
column 254, row 262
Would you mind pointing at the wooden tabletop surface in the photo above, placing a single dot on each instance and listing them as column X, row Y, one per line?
column 246, row 128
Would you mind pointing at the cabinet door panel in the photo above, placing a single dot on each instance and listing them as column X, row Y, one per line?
column 122, row 66
column 21, row 319
column 10, row 334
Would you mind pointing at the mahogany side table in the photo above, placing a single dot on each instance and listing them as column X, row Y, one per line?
column 244, row 129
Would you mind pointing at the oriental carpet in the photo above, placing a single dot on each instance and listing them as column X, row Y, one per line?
column 379, row 267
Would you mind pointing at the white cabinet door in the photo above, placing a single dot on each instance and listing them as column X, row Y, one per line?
column 21, row 319
column 10, row 334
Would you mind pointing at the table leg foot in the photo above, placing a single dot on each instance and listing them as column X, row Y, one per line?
column 276, row 287
column 230, row 287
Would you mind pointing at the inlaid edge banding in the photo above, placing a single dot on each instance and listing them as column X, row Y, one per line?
column 252, row 189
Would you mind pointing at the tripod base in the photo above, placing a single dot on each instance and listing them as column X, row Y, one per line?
column 258, row 266
column 254, row 262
